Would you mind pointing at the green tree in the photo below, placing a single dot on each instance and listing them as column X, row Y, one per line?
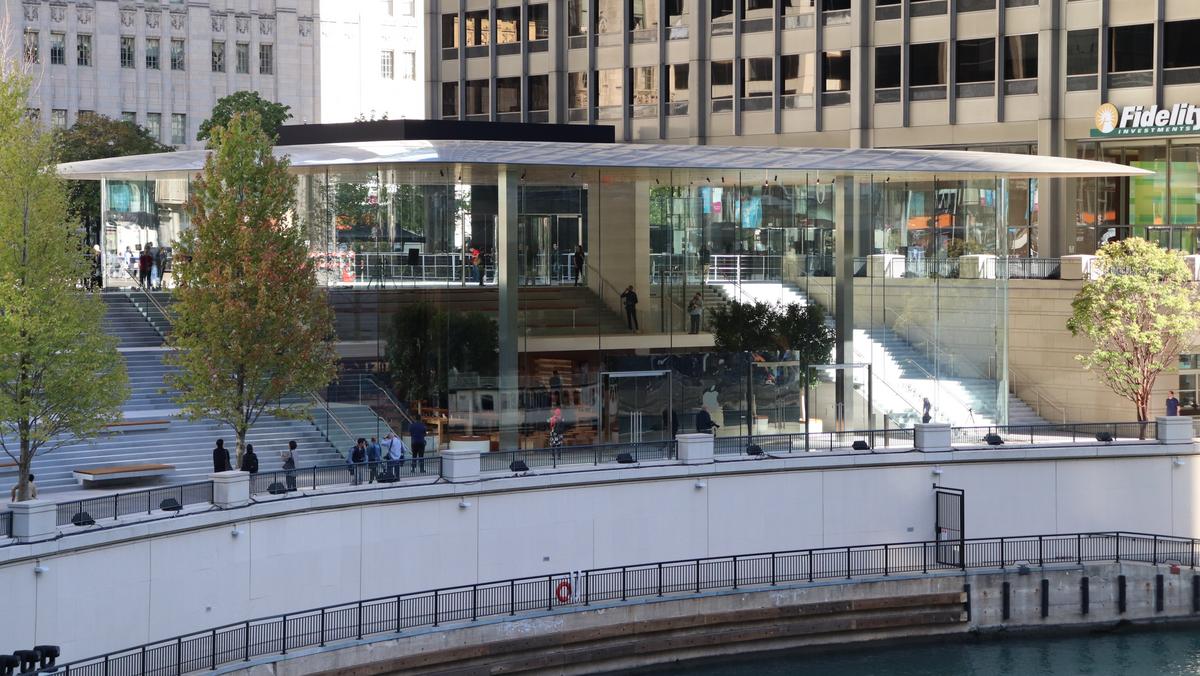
column 251, row 326
column 1139, row 315
column 795, row 329
column 95, row 137
column 271, row 115
column 60, row 374
column 425, row 343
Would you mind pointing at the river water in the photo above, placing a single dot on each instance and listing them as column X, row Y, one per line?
column 1173, row 651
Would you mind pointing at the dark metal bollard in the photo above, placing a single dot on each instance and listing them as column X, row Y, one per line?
column 49, row 653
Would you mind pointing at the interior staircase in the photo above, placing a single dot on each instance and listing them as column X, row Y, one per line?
column 903, row 375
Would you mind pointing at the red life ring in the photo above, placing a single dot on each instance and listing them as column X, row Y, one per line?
column 563, row 592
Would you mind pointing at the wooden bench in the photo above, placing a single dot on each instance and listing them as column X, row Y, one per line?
column 119, row 472
column 137, row 426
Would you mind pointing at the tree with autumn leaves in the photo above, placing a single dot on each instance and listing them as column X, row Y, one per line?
column 251, row 326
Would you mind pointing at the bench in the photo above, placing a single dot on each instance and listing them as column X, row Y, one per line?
column 136, row 426
column 119, row 472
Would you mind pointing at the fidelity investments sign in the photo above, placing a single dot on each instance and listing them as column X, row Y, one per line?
column 1181, row 118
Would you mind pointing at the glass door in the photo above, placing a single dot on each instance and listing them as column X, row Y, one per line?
column 635, row 406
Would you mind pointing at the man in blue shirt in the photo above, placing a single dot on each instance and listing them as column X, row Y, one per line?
column 373, row 458
column 416, row 432
column 1172, row 403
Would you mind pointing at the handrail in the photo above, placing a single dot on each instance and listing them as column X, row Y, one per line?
column 321, row 403
column 1040, row 398
column 575, row 590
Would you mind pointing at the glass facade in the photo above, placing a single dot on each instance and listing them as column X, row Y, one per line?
column 518, row 279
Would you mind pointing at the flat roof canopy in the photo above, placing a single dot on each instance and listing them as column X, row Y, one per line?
column 641, row 158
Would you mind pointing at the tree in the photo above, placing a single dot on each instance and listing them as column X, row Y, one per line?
column 251, row 326
column 94, row 137
column 61, row 377
column 1139, row 315
column 426, row 342
column 271, row 115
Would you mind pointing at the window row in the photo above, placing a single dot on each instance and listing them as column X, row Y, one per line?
column 478, row 99
column 476, row 28
column 58, row 120
column 1131, row 48
column 387, row 65
column 266, row 58
column 58, row 48
column 975, row 61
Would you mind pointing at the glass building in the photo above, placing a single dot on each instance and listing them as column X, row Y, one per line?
column 490, row 279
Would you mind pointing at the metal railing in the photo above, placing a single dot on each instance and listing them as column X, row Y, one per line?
column 1033, row 268
column 349, row 474
column 1053, row 433
column 1015, row 379
column 6, row 524
column 813, row 442
column 113, row 507
column 579, row 590
column 563, row 456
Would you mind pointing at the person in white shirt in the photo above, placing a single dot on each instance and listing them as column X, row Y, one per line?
column 394, row 453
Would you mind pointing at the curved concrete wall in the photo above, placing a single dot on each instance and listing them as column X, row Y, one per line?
column 109, row 590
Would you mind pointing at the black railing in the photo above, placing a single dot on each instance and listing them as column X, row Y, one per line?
column 115, row 506
column 1052, row 434
column 798, row 442
column 1034, row 268
column 5, row 524
column 244, row 641
column 564, row 456
column 311, row 478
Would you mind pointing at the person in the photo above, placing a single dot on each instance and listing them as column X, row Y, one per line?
column 160, row 267
column 97, row 278
column 557, row 427
column 926, row 407
column 394, row 451
column 630, row 299
column 1172, row 403
column 32, row 490
column 416, row 434
column 145, row 263
column 704, row 422
column 250, row 460
column 555, row 388
column 127, row 260
column 290, row 459
column 695, row 310
column 154, row 268
column 477, row 266
column 555, row 264
column 373, row 458
column 705, row 261
column 221, row 457
column 578, row 263
column 356, row 457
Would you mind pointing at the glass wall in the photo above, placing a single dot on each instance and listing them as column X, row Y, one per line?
column 140, row 214
column 593, row 292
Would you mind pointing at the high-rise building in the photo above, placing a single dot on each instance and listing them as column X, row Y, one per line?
column 1052, row 77
column 163, row 64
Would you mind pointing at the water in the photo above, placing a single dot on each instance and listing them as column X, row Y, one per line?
column 1157, row 651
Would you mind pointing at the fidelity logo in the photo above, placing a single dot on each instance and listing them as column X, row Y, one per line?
column 1180, row 118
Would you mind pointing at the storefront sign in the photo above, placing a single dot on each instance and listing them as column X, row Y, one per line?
column 1181, row 118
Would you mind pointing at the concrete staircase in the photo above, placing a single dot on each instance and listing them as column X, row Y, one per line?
column 186, row 445
column 128, row 323
column 356, row 420
column 149, row 394
column 903, row 374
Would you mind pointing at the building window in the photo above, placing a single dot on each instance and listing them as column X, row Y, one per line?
column 449, row 31
column 177, row 55
column 610, row 16
column 643, row 15
column 976, row 60
column 610, row 92
column 539, row 23
column 644, row 89
column 129, row 116
column 408, row 66
column 1130, row 48
column 508, row 95
column 58, row 49
column 408, row 8
column 722, row 9
column 154, row 125
column 449, row 100
column 152, row 53
column 1189, row 384
column 577, row 19
column 721, row 86
column 477, row 29
column 178, row 129
column 127, row 52
column 387, row 64
column 677, row 82
column 796, row 74
column 758, row 76
column 835, row 71
column 1179, row 50
column 478, row 98
column 1083, row 52
column 887, row 67
column 83, row 50
column 538, row 93
column 1020, row 57
column 243, row 58
column 58, row 118
column 218, row 57
column 577, row 91
column 266, row 59
column 508, row 25
column 32, row 54
column 927, row 64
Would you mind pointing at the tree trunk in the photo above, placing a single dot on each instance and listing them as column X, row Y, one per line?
column 241, row 445
column 24, row 463
column 1143, row 413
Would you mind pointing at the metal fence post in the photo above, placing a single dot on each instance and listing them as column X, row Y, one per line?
column 848, row 575
column 399, row 615
column 512, row 597
column 435, row 608
column 624, row 594
column 284, row 637
column 697, row 576
column 474, row 602
column 1041, row 558
column 212, row 651
column 314, row 482
column 587, row 587
column 735, row 573
column 116, row 507
column 885, row 560
column 660, row 579
column 360, row 632
column 1118, row 546
column 810, row 566
column 178, row 656
column 549, row 592
column 246, row 648
column 1079, row 548
column 772, row 569
column 1155, row 551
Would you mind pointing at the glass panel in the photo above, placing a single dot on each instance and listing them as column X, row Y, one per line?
column 508, row 25
column 1020, row 56
column 976, row 60
column 835, row 68
column 758, row 77
column 887, row 67
column 1082, row 52
column 927, row 64
column 1131, row 48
